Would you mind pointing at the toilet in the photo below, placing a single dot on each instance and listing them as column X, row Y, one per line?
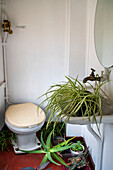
column 25, row 120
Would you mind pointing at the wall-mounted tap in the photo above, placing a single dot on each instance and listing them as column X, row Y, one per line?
column 92, row 77
column 7, row 26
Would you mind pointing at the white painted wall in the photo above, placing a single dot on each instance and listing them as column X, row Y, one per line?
column 78, row 26
column 50, row 47
column 35, row 55
column 91, row 57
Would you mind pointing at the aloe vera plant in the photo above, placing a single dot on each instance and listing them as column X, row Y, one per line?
column 72, row 98
column 51, row 152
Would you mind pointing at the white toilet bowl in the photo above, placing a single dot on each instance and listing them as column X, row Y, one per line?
column 25, row 121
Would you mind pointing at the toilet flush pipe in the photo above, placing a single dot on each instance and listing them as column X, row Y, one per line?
column 4, row 43
column 5, row 67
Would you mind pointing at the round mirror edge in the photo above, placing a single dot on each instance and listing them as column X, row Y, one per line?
column 105, row 66
column 95, row 33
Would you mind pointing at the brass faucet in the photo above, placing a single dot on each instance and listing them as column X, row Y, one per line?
column 92, row 77
column 7, row 27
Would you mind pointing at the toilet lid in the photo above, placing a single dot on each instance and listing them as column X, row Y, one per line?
column 24, row 115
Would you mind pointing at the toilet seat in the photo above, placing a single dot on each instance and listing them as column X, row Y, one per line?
column 24, row 115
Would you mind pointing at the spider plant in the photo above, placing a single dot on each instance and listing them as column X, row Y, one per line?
column 71, row 99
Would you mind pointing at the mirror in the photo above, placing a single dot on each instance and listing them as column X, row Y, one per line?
column 103, row 32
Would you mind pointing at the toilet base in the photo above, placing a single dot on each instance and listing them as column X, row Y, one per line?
column 16, row 147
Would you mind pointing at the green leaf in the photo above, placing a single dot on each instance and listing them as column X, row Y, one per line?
column 71, row 82
column 45, row 159
column 48, row 141
column 59, row 159
column 43, row 144
column 36, row 151
column 64, row 143
column 50, row 158
column 57, row 149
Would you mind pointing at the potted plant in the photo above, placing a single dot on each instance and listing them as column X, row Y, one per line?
column 78, row 162
column 72, row 99
column 52, row 152
column 6, row 138
column 77, row 148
